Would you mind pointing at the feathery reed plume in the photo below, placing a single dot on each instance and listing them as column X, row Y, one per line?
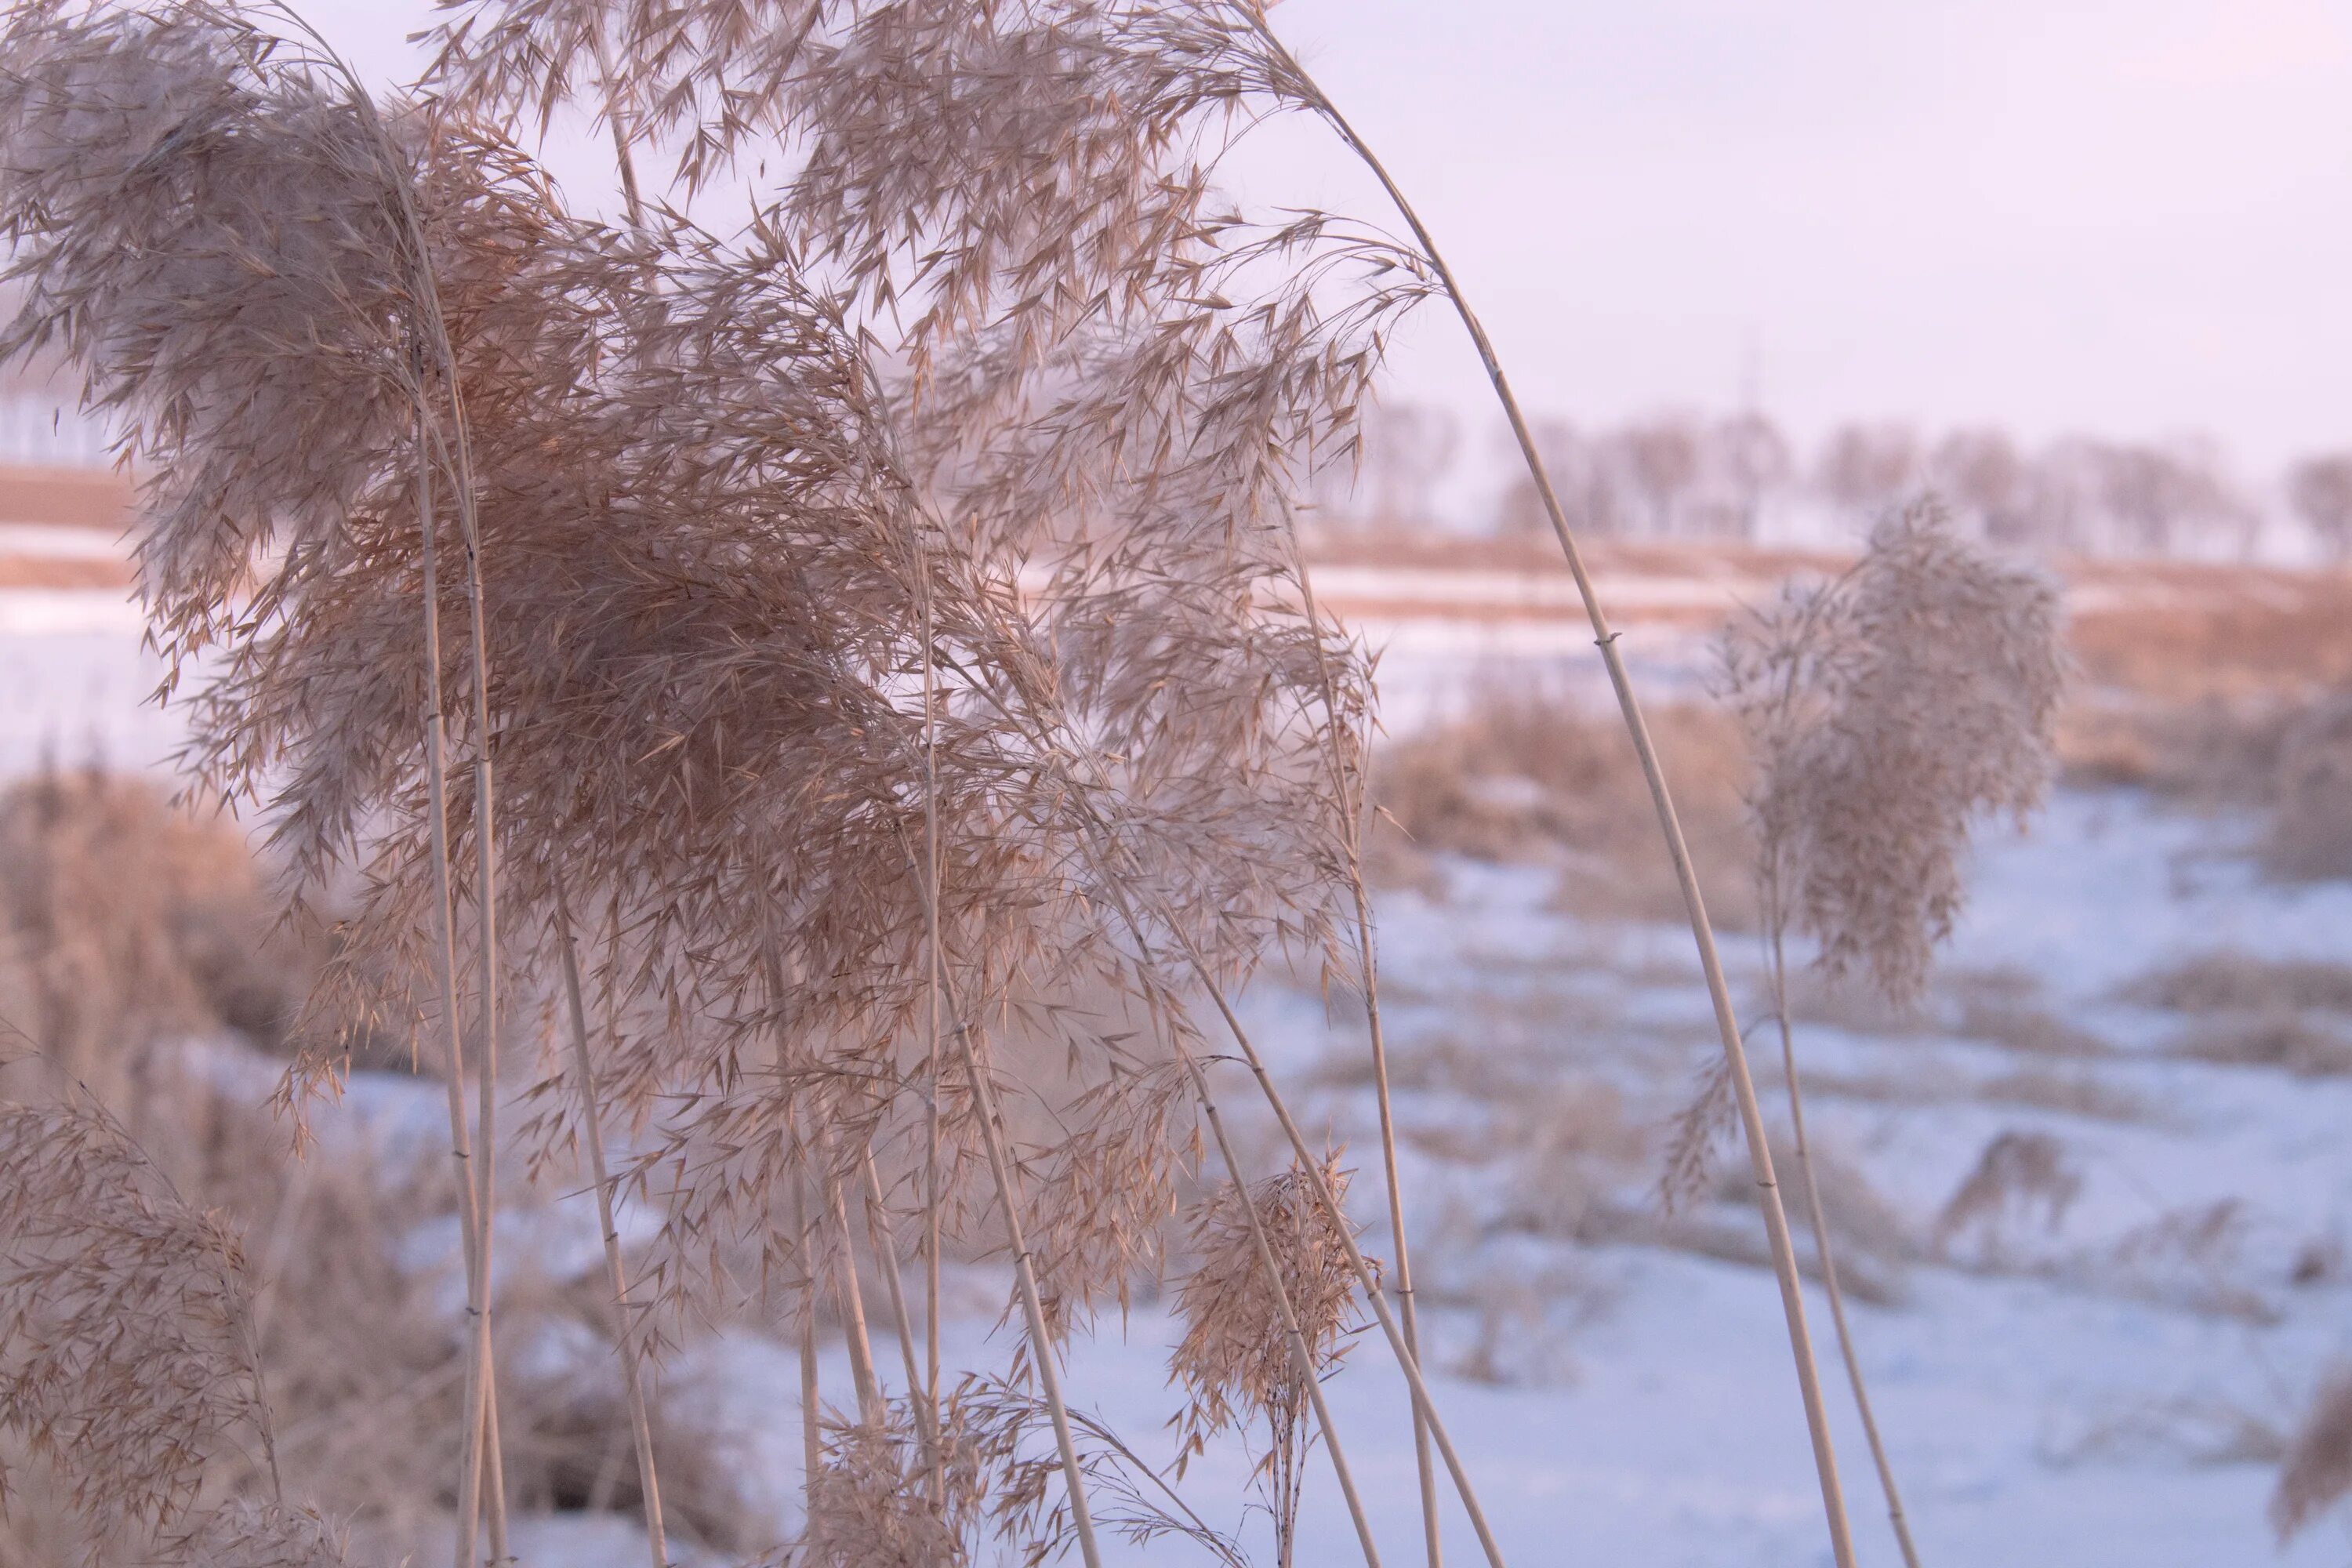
column 871, row 1503
column 1221, row 393
column 1891, row 711
column 1886, row 711
column 1268, row 1311
column 591, row 1128
column 247, row 1535
column 127, row 1356
column 996, row 1422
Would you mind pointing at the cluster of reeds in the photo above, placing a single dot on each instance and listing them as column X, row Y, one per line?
column 856, row 673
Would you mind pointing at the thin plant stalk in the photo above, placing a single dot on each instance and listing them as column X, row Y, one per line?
column 445, row 963
column 622, row 158
column 632, row 1370
column 1049, row 1377
column 852, row 1306
column 1406, row 1361
column 811, row 1429
column 885, row 1259
column 1299, row 1351
column 934, row 1201
column 482, row 1451
column 1776, row 1219
column 1033, row 1309
column 1822, row 1247
column 485, row 1162
column 1369, row 982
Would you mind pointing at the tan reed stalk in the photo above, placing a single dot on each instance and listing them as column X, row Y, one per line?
column 626, row 163
column 885, row 1259
column 1776, row 1219
column 934, row 1197
column 481, row 1450
column 1368, row 979
column 852, row 1306
column 1822, row 1247
column 812, row 1427
column 1033, row 1309
column 484, row 871
column 1406, row 1361
column 1290, row 1313
column 445, row 962
column 592, row 1131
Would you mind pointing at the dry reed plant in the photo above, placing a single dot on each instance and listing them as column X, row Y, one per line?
column 1889, row 710
column 126, row 1355
column 1243, row 1357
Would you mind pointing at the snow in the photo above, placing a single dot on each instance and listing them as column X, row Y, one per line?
column 2060, row 1407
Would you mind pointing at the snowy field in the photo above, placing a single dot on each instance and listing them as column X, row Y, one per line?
column 2100, row 1378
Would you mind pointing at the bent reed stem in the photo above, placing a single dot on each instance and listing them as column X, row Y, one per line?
column 616, row 1275
column 1776, row 1219
column 1827, row 1255
column 1368, row 980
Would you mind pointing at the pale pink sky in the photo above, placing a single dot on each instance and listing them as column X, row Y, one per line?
column 2134, row 219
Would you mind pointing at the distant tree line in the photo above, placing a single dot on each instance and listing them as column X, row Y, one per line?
column 1689, row 476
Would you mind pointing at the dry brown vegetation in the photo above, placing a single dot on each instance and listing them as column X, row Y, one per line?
column 1522, row 775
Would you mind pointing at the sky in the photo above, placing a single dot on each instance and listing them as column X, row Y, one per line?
column 2128, row 220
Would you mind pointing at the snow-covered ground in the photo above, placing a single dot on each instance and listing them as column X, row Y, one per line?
column 2104, row 1385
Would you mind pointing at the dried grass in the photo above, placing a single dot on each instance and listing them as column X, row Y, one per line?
column 2230, row 981
column 126, row 1355
column 2018, row 1177
column 1238, row 1361
column 125, row 922
column 1519, row 777
column 2317, row 1471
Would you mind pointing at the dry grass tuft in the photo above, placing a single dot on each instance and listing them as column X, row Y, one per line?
column 2282, row 1042
column 126, row 922
column 872, row 1506
column 244, row 1534
column 2317, row 1473
column 2235, row 982
column 1531, row 777
column 2017, row 1175
column 2072, row 1093
column 1237, row 1363
column 126, row 1355
column 2309, row 834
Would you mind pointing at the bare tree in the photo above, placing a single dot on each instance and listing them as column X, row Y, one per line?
column 1863, row 469
column 2320, row 490
column 1659, row 462
column 1580, row 474
column 2165, row 499
column 1749, row 458
column 1984, row 479
column 1408, row 449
